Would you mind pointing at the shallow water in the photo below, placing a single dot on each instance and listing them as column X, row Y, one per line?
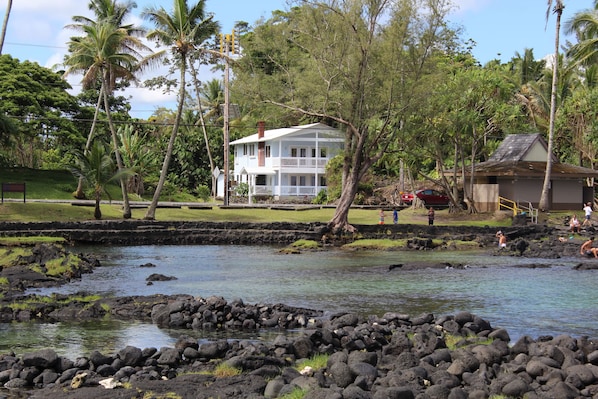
column 501, row 289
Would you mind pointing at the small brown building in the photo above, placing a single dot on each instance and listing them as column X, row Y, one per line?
column 516, row 172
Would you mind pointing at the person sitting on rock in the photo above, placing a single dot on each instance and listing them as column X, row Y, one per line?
column 586, row 247
column 574, row 225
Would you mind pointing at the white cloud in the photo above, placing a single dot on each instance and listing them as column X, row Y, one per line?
column 464, row 6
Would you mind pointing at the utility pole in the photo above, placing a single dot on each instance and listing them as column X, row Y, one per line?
column 227, row 44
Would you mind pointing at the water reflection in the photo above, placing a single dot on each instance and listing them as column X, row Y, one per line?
column 534, row 301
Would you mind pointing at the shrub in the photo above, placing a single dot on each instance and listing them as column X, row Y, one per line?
column 242, row 189
column 321, row 198
column 203, row 192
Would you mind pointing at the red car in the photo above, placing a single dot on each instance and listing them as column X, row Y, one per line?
column 407, row 198
column 432, row 197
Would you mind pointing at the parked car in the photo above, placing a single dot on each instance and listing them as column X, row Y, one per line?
column 407, row 198
column 432, row 197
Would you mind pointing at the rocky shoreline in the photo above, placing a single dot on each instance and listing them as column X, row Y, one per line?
column 395, row 356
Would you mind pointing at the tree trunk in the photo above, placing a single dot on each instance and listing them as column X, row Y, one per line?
column 340, row 221
column 203, row 128
column 97, row 213
column 5, row 25
column 151, row 211
column 119, row 162
column 79, row 194
column 544, row 200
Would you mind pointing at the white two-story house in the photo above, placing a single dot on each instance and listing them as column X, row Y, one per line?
column 286, row 162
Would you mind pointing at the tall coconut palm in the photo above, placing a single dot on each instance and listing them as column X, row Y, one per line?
column 5, row 24
column 107, row 52
column 111, row 12
column 96, row 167
column 183, row 30
column 558, row 10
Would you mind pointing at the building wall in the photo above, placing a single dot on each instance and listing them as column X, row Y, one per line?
column 521, row 190
column 485, row 197
column 567, row 194
column 536, row 154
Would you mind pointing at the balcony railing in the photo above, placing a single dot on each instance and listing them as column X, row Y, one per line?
column 299, row 162
column 287, row 191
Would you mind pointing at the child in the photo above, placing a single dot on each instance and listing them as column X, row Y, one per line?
column 574, row 224
column 502, row 240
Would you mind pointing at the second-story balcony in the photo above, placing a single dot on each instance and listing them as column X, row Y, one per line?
column 296, row 162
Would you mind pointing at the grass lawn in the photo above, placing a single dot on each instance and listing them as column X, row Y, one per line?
column 59, row 185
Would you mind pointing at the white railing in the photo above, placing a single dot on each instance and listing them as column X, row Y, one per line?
column 289, row 162
column 287, row 191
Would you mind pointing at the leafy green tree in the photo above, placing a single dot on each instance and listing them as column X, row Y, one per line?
column 183, row 30
column 37, row 102
column 578, row 120
column 7, row 128
column 138, row 157
column 356, row 64
column 467, row 107
column 96, row 168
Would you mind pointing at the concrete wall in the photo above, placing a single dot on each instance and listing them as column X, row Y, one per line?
column 566, row 194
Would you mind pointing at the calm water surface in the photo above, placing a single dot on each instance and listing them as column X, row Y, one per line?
column 501, row 289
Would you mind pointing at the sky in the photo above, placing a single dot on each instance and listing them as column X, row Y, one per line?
column 501, row 28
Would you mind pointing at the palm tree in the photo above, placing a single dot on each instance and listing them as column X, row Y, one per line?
column 97, row 169
column 558, row 10
column 115, row 13
column 5, row 25
column 584, row 25
column 137, row 157
column 183, row 31
column 107, row 52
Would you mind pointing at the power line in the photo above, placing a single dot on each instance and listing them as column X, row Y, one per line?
column 35, row 45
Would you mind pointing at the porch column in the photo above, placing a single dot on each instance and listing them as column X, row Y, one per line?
column 279, row 190
column 317, row 162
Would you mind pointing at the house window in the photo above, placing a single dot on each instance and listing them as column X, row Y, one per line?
column 302, row 181
column 251, row 150
column 298, row 152
column 268, row 153
column 313, row 152
column 260, row 180
column 323, row 152
column 244, row 149
column 322, row 181
column 293, row 181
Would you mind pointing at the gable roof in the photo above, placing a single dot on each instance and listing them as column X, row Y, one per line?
column 273, row 134
column 515, row 148
column 511, row 160
column 532, row 169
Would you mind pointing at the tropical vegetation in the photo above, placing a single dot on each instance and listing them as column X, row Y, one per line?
column 397, row 77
